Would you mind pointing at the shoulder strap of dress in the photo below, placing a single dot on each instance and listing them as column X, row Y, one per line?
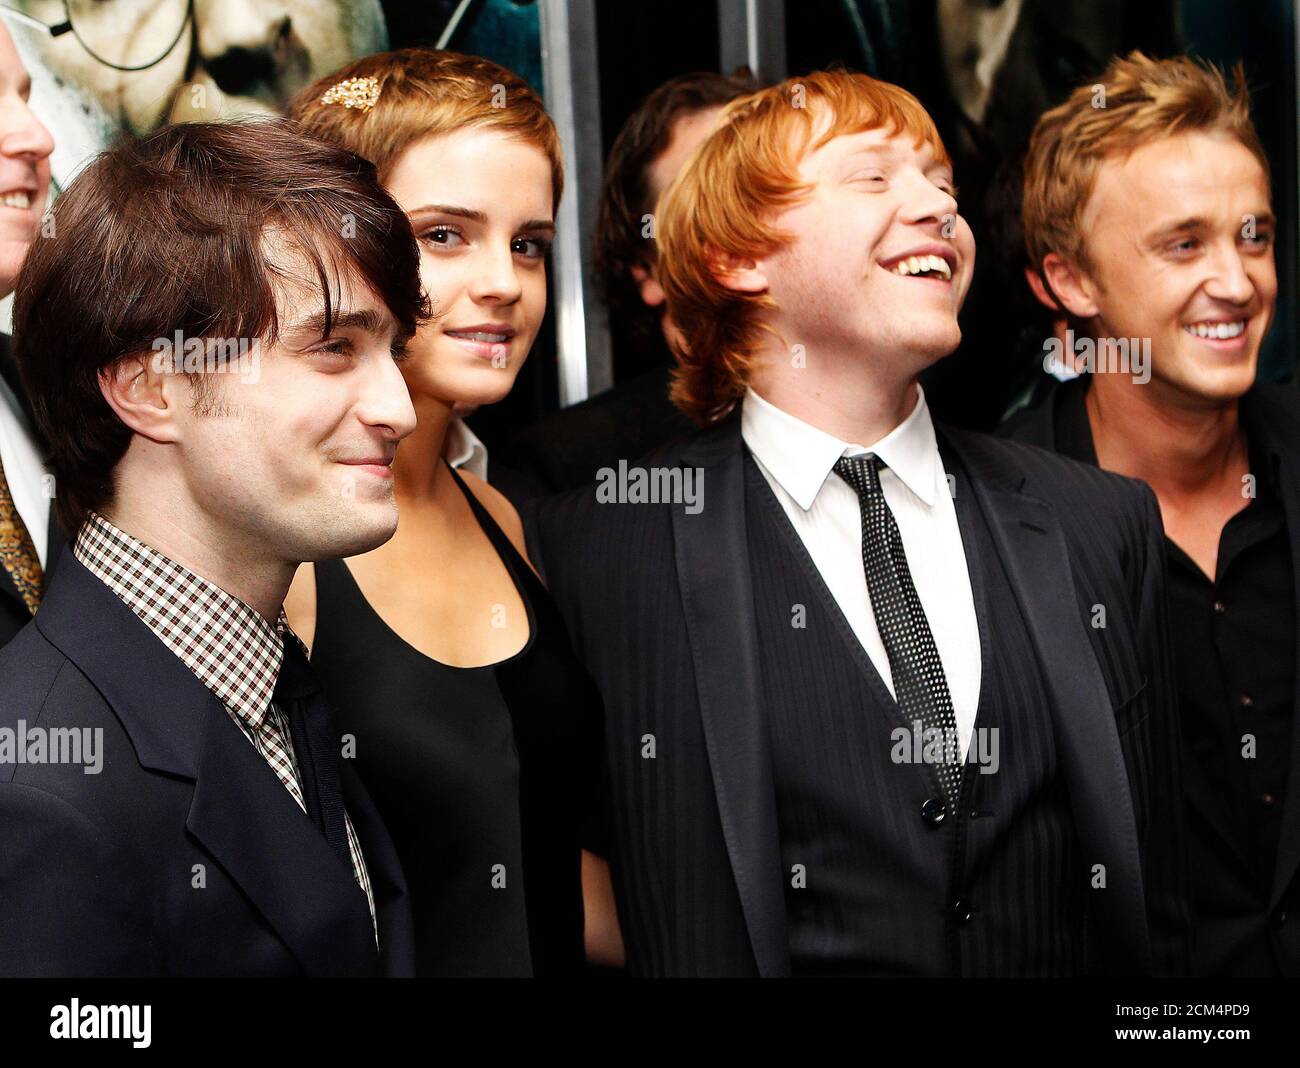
column 500, row 540
column 334, row 587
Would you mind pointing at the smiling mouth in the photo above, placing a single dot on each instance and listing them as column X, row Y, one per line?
column 923, row 267
column 1217, row 331
column 480, row 335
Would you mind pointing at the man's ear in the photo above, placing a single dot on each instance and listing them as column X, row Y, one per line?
column 647, row 281
column 739, row 273
column 1039, row 289
column 145, row 397
column 1075, row 290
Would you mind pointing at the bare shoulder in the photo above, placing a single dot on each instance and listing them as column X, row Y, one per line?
column 500, row 509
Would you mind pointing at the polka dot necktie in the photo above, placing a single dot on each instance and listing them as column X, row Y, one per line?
column 17, row 551
column 919, row 683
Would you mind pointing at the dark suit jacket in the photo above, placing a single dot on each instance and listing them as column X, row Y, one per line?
column 185, row 855
column 661, row 604
column 13, row 611
column 1275, row 411
column 565, row 450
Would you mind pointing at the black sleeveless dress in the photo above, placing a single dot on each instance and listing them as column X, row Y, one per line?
column 484, row 776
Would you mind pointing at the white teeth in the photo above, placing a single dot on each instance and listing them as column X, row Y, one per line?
column 16, row 200
column 478, row 335
column 921, row 264
column 1217, row 331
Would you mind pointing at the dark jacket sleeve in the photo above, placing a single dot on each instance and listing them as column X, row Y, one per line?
column 540, row 520
column 1153, row 753
column 67, row 904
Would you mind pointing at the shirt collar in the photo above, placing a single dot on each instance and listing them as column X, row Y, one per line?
column 800, row 457
column 464, row 449
column 227, row 644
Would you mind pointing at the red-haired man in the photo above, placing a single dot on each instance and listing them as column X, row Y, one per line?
column 883, row 698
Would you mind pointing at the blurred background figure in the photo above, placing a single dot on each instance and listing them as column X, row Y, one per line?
column 148, row 62
column 30, row 536
column 566, row 449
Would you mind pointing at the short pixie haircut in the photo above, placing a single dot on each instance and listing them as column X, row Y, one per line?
column 170, row 233
column 1135, row 101
column 425, row 92
column 723, row 201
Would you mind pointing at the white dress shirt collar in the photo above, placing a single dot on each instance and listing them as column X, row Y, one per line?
column 800, row 457
column 464, row 450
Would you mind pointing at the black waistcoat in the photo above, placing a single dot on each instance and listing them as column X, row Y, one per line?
column 874, row 885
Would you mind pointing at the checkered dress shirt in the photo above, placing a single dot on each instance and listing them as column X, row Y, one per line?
column 232, row 649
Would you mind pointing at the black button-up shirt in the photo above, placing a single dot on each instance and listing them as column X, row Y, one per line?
column 1234, row 649
column 1234, row 642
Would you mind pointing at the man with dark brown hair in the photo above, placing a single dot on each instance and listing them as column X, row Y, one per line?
column 566, row 449
column 209, row 341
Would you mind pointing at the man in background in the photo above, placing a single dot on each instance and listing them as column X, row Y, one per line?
column 30, row 536
column 1147, row 211
column 567, row 448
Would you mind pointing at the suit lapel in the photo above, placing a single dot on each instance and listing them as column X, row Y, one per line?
column 712, row 553
column 387, row 882
column 244, row 816
column 240, row 813
column 55, row 542
column 1061, row 425
column 1029, row 541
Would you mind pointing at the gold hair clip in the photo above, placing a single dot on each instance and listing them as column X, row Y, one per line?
column 360, row 93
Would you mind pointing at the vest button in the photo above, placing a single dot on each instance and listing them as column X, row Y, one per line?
column 933, row 811
column 962, row 911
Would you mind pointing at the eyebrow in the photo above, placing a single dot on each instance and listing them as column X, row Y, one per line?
column 1197, row 222
column 869, row 150
column 368, row 320
column 889, row 151
column 476, row 216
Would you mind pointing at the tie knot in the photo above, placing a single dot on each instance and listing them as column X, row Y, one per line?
column 861, row 472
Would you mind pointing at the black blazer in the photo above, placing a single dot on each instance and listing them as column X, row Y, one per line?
column 184, row 855
column 1275, row 411
column 566, row 449
column 660, row 602
column 13, row 611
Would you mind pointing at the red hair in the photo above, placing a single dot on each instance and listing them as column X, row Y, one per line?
column 721, row 204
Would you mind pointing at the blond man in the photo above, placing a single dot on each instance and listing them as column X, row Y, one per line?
column 883, row 698
column 1148, row 214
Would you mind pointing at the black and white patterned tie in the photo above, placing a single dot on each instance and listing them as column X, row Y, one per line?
column 919, row 683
